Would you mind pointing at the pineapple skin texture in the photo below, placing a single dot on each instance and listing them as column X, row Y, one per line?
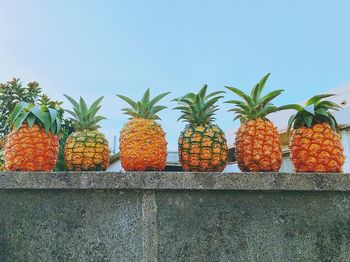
column 142, row 146
column 31, row 149
column 202, row 148
column 258, row 148
column 86, row 150
column 316, row 149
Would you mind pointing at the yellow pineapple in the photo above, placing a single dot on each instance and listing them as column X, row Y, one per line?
column 86, row 149
column 142, row 140
column 202, row 145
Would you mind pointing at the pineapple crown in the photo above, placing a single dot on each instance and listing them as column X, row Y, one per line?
column 146, row 108
column 42, row 115
column 84, row 117
column 316, row 110
column 198, row 109
column 254, row 106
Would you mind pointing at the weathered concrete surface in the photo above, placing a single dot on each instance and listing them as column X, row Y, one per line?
column 70, row 225
column 176, row 180
column 253, row 226
column 62, row 217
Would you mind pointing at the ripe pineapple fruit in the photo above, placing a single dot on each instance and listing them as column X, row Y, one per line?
column 32, row 145
column 257, row 144
column 142, row 140
column 315, row 146
column 86, row 149
column 202, row 145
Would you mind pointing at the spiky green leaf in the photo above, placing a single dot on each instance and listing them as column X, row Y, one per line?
column 21, row 118
column 316, row 111
column 240, row 93
column 255, row 106
column 132, row 103
column 145, row 108
column 145, row 98
column 17, row 110
column 198, row 108
column 70, row 99
column 310, row 109
column 31, row 120
column 157, row 99
column 43, row 116
column 53, row 114
column 269, row 97
column 315, row 99
column 84, row 117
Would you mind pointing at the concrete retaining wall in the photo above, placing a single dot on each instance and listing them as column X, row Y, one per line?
column 174, row 217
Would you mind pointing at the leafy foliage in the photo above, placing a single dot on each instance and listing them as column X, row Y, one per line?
column 11, row 93
column 66, row 129
column 145, row 108
column 29, row 113
column 316, row 110
column 198, row 109
column 84, row 117
column 255, row 105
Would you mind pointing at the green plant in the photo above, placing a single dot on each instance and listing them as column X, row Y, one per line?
column 66, row 129
column 315, row 111
column 48, row 118
column 13, row 92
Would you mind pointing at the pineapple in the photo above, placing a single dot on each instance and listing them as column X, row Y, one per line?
column 32, row 145
column 86, row 149
column 315, row 146
column 142, row 140
column 257, row 144
column 202, row 145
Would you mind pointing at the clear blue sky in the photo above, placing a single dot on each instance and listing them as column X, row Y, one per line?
column 95, row 48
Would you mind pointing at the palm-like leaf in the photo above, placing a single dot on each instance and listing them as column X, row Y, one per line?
column 145, row 108
column 315, row 111
column 240, row 93
column 35, row 114
column 254, row 106
column 198, row 109
column 84, row 117
column 316, row 99
column 256, row 92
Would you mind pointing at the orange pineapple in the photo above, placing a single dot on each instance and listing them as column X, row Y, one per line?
column 257, row 144
column 315, row 146
column 202, row 145
column 86, row 149
column 142, row 140
column 32, row 145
